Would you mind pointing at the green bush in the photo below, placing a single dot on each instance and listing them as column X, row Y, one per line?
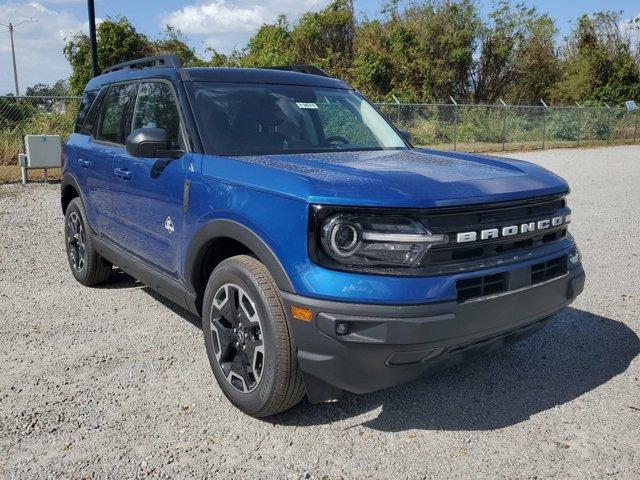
column 563, row 124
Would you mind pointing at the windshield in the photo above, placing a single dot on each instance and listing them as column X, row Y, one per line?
column 254, row 119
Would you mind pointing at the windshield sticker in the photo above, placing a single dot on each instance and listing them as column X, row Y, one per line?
column 307, row 105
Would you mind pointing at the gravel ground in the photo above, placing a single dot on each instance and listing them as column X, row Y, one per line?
column 114, row 382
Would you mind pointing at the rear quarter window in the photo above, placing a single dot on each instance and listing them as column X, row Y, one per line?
column 92, row 116
column 85, row 104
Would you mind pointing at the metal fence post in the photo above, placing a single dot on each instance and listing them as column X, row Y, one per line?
column 504, row 124
column 609, row 123
column 544, row 122
column 455, row 124
column 398, row 110
column 579, row 122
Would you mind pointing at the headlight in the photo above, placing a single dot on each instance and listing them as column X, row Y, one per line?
column 375, row 240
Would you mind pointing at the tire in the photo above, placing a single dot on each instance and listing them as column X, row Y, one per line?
column 255, row 365
column 86, row 265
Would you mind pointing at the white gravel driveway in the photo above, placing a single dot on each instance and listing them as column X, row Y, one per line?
column 114, row 382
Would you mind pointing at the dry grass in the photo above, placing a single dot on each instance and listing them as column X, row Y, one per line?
column 528, row 146
column 11, row 174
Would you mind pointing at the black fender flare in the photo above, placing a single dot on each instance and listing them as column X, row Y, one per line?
column 68, row 180
column 221, row 228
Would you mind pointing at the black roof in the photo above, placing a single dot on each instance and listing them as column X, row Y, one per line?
column 261, row 75
column 169, row 66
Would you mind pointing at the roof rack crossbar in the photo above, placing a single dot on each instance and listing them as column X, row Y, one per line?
column 169, row 61
column 308, row 69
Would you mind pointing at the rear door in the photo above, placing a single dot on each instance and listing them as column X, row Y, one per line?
column 77, row 148
column 147, row 193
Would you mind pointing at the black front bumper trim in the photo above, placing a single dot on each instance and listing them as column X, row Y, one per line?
column 391, row 344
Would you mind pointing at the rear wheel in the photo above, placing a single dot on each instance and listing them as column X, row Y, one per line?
column 248, row 340
column 87, row 266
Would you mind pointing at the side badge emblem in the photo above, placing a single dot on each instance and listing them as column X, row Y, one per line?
column 168, row 224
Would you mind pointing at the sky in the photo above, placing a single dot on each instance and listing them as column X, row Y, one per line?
column 221, row 24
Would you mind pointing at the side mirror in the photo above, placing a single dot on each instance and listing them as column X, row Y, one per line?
column 150, row 143
column 406, row 134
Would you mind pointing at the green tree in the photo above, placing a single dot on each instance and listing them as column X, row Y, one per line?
column 59, row 89
column 118, row 41
column 599, row 63
column 219, row 59
column 537, row 63
column 422, row 52
column 373, row 68
column 510, row 44
column 325, row 38
column 174, row 42
column 270, row 46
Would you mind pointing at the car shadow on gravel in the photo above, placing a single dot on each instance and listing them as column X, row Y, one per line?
column 120, row 280
column 576, row 353
column 175, row 308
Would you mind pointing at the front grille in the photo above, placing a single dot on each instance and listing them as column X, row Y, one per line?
column 543, row 271
column 481, row 286
column 482, row 253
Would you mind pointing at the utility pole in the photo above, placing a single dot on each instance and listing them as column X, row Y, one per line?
column 11, row 28
column 92, row 37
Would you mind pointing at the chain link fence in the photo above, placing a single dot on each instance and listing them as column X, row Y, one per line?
column 478, row 128
column 20, row 116
column 466, row 127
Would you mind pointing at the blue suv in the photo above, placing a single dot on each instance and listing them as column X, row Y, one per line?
column 323, row 252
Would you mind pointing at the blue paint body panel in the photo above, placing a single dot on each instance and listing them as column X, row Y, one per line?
column 406, row 178
column 270, row 195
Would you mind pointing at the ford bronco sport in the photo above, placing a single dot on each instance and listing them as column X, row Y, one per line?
column 323, row 252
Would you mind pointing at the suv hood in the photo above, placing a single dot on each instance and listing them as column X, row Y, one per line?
column 391, row 178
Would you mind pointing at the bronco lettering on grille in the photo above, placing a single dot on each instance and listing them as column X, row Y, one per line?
column 511, row 230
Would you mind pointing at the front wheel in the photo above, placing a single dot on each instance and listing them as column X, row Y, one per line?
column 247, row 338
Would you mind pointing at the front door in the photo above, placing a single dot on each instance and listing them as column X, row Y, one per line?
column 147, row 192
column 106, row 140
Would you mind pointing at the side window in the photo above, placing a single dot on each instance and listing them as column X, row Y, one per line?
column 92, row 115
column 85, row 104
column 156, row 108
column 113, row 120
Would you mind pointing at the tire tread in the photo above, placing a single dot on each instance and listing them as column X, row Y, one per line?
column 288, row 387
column 98, row 269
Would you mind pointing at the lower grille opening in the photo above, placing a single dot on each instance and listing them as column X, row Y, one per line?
column 481, row 286
column 543, row 271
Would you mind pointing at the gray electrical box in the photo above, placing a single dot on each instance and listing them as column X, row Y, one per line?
column 43, row 151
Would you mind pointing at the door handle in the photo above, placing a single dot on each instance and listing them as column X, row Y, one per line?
column 84, row 163
column 122, row 173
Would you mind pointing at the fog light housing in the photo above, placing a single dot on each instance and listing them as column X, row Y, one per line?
column 342, row 328
column 574, row 258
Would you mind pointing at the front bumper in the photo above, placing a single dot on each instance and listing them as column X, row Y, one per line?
column 392, row 344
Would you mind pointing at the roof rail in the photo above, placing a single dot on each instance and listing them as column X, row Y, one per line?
column 309, row 69
column 170, row 61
